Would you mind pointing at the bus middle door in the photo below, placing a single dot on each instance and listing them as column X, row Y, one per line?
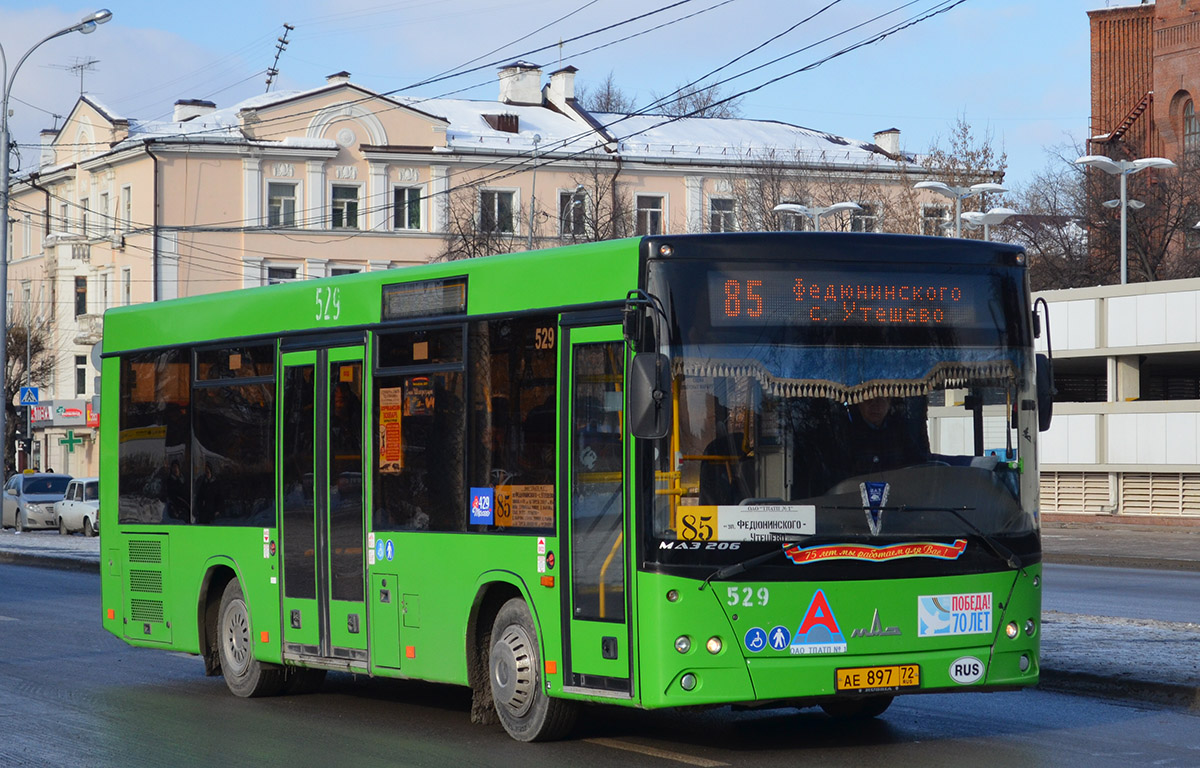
column 598, row 642
column 321, row 460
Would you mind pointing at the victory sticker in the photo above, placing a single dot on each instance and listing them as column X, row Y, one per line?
column 945, row 615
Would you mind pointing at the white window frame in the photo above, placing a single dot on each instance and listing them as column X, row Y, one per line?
column 84, row 210
column 105, row 223
column 127, row 207
column 126, row 286
column 578, row 201
column 662, row 214
column 728, row 218
column 64, row 217
column 27, row 240
column 929, row 222
column 400, row 225
column 358, row 213
column 871, row 214
column 281, row 265
column 295, row 198
column 81, row 363
column 515, row 208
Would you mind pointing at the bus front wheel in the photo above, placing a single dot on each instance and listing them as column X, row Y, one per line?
column 245, row 675
column 858, row 709
column 515, row 672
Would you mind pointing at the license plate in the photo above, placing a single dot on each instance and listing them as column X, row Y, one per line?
column 889, row 678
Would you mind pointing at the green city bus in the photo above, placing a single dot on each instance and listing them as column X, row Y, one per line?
column 760, row 469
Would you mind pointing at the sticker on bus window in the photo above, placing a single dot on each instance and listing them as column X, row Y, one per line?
column 391, row 457
column 482, row 507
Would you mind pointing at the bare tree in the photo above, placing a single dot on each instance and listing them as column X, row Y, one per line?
column 1051, row 225
column 601, row 207
column 470, row 234
column 697, row 101
column 40, row 367
column 606, row 97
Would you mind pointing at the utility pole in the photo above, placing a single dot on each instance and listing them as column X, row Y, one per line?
column 280, row 45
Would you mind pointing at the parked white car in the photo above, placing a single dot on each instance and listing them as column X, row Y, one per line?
column 29, row 500
column 79, row 510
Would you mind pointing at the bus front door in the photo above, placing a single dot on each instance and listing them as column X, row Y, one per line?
column 321, row 481
column 598, row 654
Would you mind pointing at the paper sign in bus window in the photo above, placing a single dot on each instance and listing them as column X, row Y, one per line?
column 391, row 454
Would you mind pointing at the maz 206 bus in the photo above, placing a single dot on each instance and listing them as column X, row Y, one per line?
column 630, row 472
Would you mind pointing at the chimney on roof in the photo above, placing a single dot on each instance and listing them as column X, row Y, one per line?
column 190, row 109
column 48, row 135
column 338, row 77
column 889, row 141
column 562, row 85
column 521, row 83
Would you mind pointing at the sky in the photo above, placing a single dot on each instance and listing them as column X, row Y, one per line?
column 1016, row 71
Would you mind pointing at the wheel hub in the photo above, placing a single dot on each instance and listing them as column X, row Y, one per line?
column 513, row 675
column 237, row 637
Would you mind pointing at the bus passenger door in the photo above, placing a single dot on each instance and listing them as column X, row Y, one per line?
column 597, row 645
column 321, row 471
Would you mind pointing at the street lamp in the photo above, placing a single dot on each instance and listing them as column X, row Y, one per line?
column 815, row 214
column 1123, row 168
column 86, row 26
column 959, row 194
column 977, row 219
column 537, row 139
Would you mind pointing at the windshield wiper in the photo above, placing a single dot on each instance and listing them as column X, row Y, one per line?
column 732, row 570
column 999, row 550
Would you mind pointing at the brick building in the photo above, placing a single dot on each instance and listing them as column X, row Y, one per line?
column 1145, row 79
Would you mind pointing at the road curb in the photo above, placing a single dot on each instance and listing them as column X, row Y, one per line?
column 1121, row 561
column 50, row 561
column 1173, row 695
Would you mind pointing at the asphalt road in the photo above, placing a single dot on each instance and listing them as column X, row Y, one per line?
column 1132, row 593
column 70, row 694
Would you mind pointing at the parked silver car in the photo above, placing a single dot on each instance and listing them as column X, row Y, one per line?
column 79, row 510
column 29, row 500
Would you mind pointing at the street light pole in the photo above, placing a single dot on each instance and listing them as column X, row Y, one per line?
column 815, row 214
column 1123, row 168
column 86, row 26
column 959, row 194
column 537, row 139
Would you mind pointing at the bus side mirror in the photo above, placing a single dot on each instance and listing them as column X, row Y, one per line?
column 650, row 396
column 1045, row 391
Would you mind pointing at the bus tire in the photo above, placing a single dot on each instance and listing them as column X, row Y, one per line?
column 245, row 675
column 515, row 674
column 858, row 709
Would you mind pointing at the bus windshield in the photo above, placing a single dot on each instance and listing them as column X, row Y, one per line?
column 847, row 404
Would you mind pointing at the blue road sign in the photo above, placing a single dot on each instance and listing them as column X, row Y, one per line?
column 29, row 395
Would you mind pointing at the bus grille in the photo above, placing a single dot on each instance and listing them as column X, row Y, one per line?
column 145, row 551
column 146, row 610
column 146, row 581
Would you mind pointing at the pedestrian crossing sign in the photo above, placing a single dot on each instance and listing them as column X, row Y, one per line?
column 29, row 395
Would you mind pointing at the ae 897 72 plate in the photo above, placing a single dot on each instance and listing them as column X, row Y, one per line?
column 887, row 678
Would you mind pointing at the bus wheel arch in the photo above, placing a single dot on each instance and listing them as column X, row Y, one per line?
column 489, row 599
column 212, row 586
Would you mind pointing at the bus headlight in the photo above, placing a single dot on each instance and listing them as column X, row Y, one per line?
column 683, row 643
column 714, row 645
column 1030, row 626
column 1012, row 630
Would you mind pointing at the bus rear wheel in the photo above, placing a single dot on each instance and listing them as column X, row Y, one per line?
column 858, row 709
column 245, row 675
column 514, row 670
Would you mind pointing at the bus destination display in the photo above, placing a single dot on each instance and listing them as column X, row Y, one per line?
column 813, row 298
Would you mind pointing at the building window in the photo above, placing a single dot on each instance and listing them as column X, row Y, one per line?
column 1191, row 129
column 336, row 271
column 496, row 211
column 649, row 210
column 80, row 375
column 720, row 215
column 104, row 224
column 406, row 207
column 126, row 286
column 281, row 205
column 27, row 222
column 276, row 275
column 932, row 218
column 345, row 207
column 84, row 224
column 572, row 214
column 866, row 220
column 80, row 296
column 792, row 222
column 64, row 221
column 126, row 208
